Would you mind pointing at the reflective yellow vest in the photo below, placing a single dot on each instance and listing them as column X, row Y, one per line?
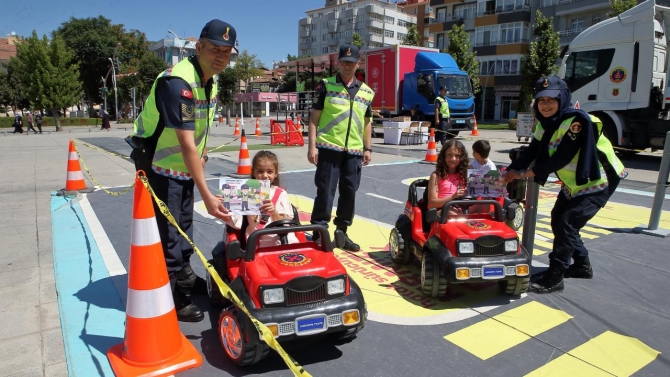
column 343, row 118
column 568, row 173
column 444, row 107
column 168, row 159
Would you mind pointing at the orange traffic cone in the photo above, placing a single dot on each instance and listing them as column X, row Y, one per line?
column 431, row 153
column 474, row 130
column 153, row 344
column 237, row 127
column 244, row 162
column 258, row 127
column 75, row 178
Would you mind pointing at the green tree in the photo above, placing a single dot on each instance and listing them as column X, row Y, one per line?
column 227, row 83
column 247, row 66
column 357, row 41
column 11, row 95
column 412, row 38
column 460, row 49
column 49, row 77
column 540, row 60
column 148, row 69
column 93, row 41
column 620, row 6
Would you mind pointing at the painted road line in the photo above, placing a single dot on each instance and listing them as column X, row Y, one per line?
column 91, row 311
column 608, row 354
column 492, row 336
column 393, row 293
column 371, row 165
column 588, row 228
column 385, row 198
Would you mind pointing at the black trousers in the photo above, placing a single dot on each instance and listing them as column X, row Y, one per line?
column 336, row 170
column 441, row 135
column 569, row 216
column 178, row 196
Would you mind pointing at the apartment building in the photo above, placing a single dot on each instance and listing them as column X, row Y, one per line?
column 173, row 50
column 378, row 22
column 424, row 13
column 571, row 17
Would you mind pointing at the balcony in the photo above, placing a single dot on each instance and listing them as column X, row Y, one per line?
column 332, row 27
column 303, row 22
column 573, row 31
column 376, row 38
column 498, row 43
column 374, row 9
column 564, row 7
column 375, row 24
column 504, row 10
column 303, row 33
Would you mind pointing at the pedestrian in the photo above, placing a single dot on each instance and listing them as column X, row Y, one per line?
column 442, row 115
column 416, row 115
column 29, row 119
column 38, row 119
column 340, row 142
column 105, row 121
column 570, row 143
column 173, row 128
column 18, row 122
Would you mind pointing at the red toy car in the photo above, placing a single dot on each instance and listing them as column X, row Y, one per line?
column 296, row 290
column 468, row 248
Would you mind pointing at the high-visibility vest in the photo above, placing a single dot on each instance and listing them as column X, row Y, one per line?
column 168, row 159
column 343, row 118
column 444, row 107
column 568, row 173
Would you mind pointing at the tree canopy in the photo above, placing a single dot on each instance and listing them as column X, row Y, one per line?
column 412, row 38
column 620, row 6
column 460, row 49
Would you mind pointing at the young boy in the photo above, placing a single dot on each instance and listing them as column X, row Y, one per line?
column 480, row 154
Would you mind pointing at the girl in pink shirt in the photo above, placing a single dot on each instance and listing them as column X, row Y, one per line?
column 448, row 181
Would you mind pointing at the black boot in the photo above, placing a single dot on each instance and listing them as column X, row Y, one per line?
column 581, row 269
column 189, row 282
column 186, row 310
column 551, row 281
column 349, row 245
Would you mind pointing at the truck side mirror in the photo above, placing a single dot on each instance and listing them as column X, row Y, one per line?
column 339, row 239
column 234, row 251
column 431, row 215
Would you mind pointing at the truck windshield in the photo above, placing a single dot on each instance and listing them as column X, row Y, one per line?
column 459, row 86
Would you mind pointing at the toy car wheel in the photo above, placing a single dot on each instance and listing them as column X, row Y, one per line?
column 433, row 282
column 215, row 297
column 514, row 287
column 234, row 332
column 398, row 248
column 517, row 222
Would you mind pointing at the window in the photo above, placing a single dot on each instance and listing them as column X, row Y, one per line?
column 441, row 14
column 595, row 19
column 388, row 33
column 440, row 41
column 577, row 25
column 324, row 50
column 401, row 36
column 585, row 66
column 547, row 3
column 324, row 37
column 403, row 23
column 485, row 7
column 424, row 86
column 466, row 11
column 389, row 20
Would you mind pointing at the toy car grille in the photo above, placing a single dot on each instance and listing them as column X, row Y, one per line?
column 489, row 251
column 286, row 328
column 334, row 320
column 305, row 297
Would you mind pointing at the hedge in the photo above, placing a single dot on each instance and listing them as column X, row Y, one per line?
column 8, row 122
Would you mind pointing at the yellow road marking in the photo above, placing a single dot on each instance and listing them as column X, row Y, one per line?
column 506, row 330
column 605, row 355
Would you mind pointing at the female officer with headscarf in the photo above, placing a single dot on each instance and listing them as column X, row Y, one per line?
column 568, row 142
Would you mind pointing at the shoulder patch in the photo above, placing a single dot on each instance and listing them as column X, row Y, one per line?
column 576, row 128
column 187, row 94
column 187, row 113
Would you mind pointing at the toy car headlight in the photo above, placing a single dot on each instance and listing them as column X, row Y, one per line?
column 511, row 245
column 273, row 296
column 335, row 286
column 466, row 248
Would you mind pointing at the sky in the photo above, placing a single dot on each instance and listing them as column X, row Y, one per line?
column 266, row 28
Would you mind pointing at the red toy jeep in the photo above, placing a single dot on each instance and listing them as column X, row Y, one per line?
column 296, row 290
column 468, row 248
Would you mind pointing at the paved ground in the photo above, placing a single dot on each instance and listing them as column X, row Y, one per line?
column 613, row 325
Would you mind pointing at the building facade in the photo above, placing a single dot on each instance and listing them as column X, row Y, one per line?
column 379, row 23
column 173, row 50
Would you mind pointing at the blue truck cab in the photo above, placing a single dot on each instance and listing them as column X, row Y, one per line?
column 432, row 70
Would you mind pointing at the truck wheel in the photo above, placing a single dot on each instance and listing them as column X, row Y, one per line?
column 517, row 223
column 609, row 129
column 514, row 287
column 215, row 297
column 234, row 332
column 346, row 334
column 433, row 282
column 398, row 247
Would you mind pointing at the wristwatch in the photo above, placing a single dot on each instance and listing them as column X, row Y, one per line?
column 206, row 157
column 367, row 149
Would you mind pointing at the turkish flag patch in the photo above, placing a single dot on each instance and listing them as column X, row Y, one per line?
column 187, row 94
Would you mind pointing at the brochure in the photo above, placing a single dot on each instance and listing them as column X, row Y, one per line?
column 243, row 196
column 484, row 183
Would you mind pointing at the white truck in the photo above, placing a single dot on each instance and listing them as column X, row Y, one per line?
column 618, row 71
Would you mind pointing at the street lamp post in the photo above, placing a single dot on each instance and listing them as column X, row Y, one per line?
column 484, row 93
column 181, row 47
column 116, row 92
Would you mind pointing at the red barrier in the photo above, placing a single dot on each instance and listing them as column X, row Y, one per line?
column 277, row 134
column 294, row 134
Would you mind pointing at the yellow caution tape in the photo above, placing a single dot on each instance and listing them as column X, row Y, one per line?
column 83, row 164
column 265, row 333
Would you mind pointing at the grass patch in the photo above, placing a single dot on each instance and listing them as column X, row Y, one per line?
column 499, row 126
column 252, row 147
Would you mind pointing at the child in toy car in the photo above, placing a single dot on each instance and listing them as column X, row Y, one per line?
column 448, row 180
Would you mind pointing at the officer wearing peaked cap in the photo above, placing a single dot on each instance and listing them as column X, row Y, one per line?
column 173, row 128
column 340, row 136
column 570, row 143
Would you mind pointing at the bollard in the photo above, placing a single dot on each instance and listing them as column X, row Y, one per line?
column 530, row 217
column 661, row 185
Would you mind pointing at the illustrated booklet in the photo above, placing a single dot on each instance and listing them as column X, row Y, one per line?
column 243, row 196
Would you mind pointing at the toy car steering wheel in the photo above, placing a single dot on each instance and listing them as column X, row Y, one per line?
column 467, row 197
column 281, row 223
